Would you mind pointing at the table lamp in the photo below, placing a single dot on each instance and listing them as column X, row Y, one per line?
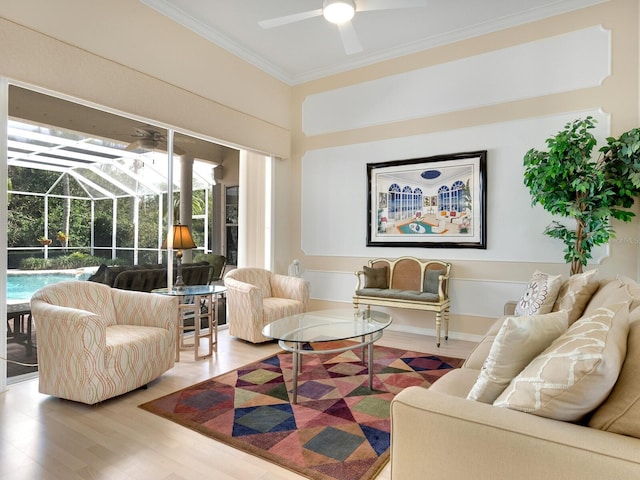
column 181, row 240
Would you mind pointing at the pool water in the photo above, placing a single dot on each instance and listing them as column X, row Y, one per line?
column 21, row 286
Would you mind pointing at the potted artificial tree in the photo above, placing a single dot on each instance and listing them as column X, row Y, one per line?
column 568, row 182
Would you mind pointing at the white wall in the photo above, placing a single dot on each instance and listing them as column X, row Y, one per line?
column 505, row 93
column 334, row 191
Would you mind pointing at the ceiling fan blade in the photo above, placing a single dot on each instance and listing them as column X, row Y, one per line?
column 176, row 150
column 350, row 40
column 133, row 146
column 364, row 5
column 296, row 17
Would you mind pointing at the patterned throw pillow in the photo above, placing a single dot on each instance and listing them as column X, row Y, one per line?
column 620, row 413
column 375, row 277
column 519, row 340
column 578, row 370
column 540, row 295
column 575, row 293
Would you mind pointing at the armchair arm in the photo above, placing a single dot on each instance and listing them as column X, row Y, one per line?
column 243, row 300
column 68, row 329
column 443, row 287
column 470, row 439
column 65, row 336
column 283, row 286
column 359, row 276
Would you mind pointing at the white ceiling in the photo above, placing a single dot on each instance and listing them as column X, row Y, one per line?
column 312, row 48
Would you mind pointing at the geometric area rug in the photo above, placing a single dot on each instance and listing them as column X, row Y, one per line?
column 338, row 430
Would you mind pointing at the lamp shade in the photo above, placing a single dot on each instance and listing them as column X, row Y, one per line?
column 181, row 238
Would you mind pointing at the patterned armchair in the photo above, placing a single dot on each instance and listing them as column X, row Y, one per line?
column 257, row 297
column 96, row 342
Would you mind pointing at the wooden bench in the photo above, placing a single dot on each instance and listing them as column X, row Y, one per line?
column 406, row 282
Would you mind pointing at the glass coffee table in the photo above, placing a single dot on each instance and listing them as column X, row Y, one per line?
column 296, row 331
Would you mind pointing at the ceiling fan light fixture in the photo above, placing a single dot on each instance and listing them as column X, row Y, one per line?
column 338, row 11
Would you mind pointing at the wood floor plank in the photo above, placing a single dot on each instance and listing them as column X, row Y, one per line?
column 46, row 438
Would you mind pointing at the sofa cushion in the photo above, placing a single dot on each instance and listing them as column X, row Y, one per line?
column 479, row 354
column 375, row 277
column 578, row 370
column 540, row 295
column 575, row 293
column 457, row 382
column 620, row 413
column 611, row 291
column 519, row 340
column 633, row 288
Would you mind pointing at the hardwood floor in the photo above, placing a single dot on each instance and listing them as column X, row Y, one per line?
column 46, row 438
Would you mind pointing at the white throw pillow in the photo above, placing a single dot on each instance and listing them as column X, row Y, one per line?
column 519, row 340
column 578, row 370
column 540, row 295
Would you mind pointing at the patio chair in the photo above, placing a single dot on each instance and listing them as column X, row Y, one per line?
column 218, row 262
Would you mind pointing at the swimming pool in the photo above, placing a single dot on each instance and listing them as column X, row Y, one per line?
column 20, row 286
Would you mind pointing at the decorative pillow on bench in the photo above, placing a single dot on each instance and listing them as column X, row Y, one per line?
column 375, row 277
column 432, row 280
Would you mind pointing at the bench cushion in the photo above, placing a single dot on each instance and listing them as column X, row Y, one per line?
column 393, row 293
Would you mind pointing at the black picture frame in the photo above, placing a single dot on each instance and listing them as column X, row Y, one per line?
column 432, row 202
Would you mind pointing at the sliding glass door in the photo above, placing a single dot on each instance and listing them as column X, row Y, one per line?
column 87, row 187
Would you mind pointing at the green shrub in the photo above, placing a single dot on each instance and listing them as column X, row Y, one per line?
column 65, row 262
column 35, row 263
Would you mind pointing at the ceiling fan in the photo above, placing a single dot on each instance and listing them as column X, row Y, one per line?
column 151, row 139
column 341, row 12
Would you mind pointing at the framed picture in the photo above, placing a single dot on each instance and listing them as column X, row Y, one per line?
column 437, row 201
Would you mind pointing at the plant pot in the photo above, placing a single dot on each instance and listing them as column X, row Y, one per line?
column 45, row 241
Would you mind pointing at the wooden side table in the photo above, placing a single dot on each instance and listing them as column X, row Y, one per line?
column 197, row 302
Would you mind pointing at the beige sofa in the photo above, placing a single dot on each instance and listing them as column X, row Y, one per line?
column 438, row 433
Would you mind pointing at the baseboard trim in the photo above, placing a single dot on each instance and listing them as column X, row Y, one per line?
column 432, row 332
